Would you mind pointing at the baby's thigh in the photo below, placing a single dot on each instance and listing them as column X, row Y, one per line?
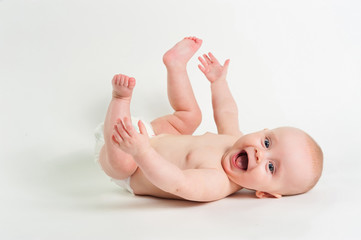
column 169, row 124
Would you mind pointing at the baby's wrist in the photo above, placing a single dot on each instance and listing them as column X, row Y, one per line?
column 219, row 80
column 144, row 152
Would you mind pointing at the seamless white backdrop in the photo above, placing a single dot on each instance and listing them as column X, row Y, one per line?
column 293, row 63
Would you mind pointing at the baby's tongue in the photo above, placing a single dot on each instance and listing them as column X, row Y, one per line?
column 242, row 162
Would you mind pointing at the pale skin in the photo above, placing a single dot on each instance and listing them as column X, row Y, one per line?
column 174, row 163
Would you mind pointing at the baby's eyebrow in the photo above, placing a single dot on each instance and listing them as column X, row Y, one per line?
column 273, row 136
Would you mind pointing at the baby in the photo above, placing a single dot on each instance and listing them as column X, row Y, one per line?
column 164, row 160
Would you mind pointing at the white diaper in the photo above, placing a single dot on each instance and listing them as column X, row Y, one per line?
column 99, row 142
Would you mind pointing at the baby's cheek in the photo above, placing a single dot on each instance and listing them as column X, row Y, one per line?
column 259, row 179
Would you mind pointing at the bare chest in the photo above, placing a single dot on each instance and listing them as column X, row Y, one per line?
column 186, row 152
column 192, row 152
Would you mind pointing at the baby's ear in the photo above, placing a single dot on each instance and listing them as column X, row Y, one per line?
column 261, row 194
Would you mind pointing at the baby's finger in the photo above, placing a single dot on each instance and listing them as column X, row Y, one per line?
column 204, row 63
column 203, row 70
column 121, row 130
column 128, row 127
column 226, row 64
column 116, row 137
column 213, row 58
column 114, row 141
column 116, row 130
column 142, row 128
column 208, row 60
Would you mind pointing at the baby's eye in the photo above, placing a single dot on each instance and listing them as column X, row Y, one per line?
column 271, row 167
column 266, row 143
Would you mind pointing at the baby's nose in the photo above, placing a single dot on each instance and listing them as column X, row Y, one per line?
column 258, row 155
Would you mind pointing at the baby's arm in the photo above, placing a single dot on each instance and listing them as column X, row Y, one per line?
column 224, row 107
column 191, row 184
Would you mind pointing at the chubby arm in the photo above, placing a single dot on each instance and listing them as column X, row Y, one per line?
column 192, row 184
column 225, row 110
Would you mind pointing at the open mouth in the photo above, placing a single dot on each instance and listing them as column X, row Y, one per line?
column 241, row 160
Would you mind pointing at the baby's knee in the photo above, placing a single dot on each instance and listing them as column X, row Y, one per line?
column 118, row 166
column 196, row 118
column 190, row 121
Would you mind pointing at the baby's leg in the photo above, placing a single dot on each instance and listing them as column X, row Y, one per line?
column 187, row 115
column 116, row 163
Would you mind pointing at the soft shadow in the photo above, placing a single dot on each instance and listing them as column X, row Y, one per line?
column 76, row 180
column 243, row 194
column 70, row 175
column 73, row 179
column 125, row 201
column 131, row 203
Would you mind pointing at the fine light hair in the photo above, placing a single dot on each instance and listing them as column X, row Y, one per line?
column 317, row 161
column 316, row 155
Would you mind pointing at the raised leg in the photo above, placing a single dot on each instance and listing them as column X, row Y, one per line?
column 187, row 115
column 116, row 163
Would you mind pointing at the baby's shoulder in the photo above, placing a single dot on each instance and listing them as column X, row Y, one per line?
column 220, row 137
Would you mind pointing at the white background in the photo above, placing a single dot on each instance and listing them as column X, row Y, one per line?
column 293, row 63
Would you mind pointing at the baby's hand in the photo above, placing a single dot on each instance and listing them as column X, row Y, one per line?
column 128, row 139
column 212, row 69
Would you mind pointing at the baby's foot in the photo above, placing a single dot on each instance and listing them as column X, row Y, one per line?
column 123, row 86
column 180, row 54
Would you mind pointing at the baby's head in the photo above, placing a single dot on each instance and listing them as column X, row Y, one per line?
column 277, row 162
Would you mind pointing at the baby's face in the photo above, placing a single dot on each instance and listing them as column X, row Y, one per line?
column 272, row 161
